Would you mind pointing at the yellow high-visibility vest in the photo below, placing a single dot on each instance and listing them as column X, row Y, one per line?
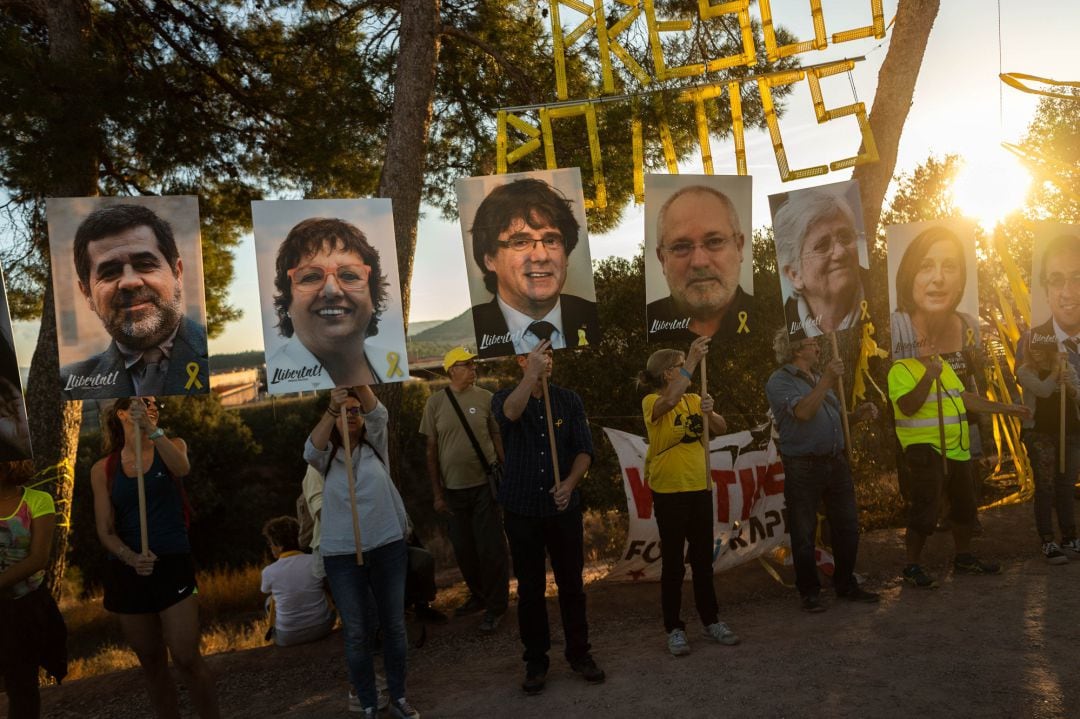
column 922, row 427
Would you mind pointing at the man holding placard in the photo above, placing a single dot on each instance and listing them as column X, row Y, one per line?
column 542, row 510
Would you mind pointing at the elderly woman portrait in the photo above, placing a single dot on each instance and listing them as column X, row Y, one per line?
column 330, row 291
column 930, row 283
column 817, row 252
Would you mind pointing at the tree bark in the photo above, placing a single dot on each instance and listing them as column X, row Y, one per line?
column 54, row 423
column 892, row 102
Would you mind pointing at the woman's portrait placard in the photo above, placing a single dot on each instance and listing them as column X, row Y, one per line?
column 1055, row 287
column 330, row 294
column 933, row 288
column 527, row 253
column 699, row 265
column 14, row 430
column 130, row 307
column 822, row 258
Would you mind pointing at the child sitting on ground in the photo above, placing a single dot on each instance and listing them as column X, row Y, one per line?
column 298, row 608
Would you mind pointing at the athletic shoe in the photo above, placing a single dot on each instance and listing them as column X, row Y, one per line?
column 535, row 677
column 970, row 564
column 355, row 707
column 722, row 634
column 1053, row 553
column 812, row 603
column 1071, row 544
column 490, row 622
column 916, row 576
column 857, row 594
column 402, row 709
column 677, row 644
column 472, row 605
column 588, row 670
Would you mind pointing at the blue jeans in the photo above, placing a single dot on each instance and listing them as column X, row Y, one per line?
column 381, row 578
column 1053, row 489
column 808, row 481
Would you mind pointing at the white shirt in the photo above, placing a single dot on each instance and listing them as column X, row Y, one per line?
column 299, row 600
column 518, row 324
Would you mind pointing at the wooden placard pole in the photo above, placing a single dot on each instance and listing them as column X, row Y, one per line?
column 551, row 433
column 705, row 427
column 1061, row 415
column 350, row 476
column 941, row 429
column 140, row 483
column 843, row 401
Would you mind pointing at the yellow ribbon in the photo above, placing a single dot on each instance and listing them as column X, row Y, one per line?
column 970, row 337
column 742, row 323
column 582, row 340
column 193, row 376
column 864, row 306
column 868, row 348
column 393, row 358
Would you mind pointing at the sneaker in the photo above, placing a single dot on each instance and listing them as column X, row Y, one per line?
column 535, row 677
column 1053, row 553
column 355, row 707
column 855, row 593
column 677, row 644
column 402, row 709
column 722, row 634
column 429, row 614
column 970, row 564
column 472, row 605
column 916, row 576
column 1072, row 544
column 588, row 670
column 812, row 603
column 490, row 622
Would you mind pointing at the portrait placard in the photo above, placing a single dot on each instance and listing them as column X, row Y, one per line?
column 130, row 306
column 14, row 430
column 699, row 264
column 329, row 293
column 933, row 289
column 1055, row 286
column 822, row 258
column 529, row 266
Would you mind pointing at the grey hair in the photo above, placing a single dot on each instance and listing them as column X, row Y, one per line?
column 783, row 346
column 795, row 217
column 701, row 190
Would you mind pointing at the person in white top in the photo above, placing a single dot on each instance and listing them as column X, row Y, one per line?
column 298, row 606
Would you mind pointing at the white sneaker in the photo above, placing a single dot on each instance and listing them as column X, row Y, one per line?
column 1071, row 545
column 1053, row 553
column 401, row 709
column 355, row 707
column 722, row 634
column 677, row 643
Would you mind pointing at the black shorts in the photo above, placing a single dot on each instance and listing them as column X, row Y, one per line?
column 172, row 580
column 925, row 481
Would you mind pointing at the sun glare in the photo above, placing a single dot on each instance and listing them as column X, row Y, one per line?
column 990, row 188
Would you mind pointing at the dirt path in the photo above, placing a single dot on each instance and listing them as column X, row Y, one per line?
column 1002, row 646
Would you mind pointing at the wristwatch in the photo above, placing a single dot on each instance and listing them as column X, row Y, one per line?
column 159, row 432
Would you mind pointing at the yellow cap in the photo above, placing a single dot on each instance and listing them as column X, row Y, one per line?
column 458, row 354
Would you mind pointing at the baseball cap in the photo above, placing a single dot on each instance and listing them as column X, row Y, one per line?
column 458, row 354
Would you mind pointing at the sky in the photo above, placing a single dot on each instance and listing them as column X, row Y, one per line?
column 959, row 107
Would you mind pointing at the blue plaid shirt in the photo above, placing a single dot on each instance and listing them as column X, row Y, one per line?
column 527, row 474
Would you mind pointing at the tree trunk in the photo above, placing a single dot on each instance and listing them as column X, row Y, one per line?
column 54, row 423
column 892, row 101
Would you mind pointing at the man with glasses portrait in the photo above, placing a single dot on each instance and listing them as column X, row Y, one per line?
column 1059, row 276
column 522, row 236
column 700, row 249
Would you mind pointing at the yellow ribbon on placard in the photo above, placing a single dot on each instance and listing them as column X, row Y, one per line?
column 582, row 340
column 970, row 342
column 394, row 359
column 868, row 348
column 743, row 327
column 193, row 376
column 864, row 306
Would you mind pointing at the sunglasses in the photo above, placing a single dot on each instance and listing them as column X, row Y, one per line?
column 353, row 411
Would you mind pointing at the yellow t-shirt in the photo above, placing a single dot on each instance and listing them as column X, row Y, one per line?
column 675, row 461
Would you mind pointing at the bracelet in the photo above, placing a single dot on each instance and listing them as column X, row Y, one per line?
column 159, row 432
column 333, row 413
column 684, row 373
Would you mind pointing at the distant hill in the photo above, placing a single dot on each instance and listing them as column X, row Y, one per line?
column 416, row 328
column 458, row 331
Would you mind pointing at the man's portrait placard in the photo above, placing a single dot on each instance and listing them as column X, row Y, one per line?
column 699, row 265
column 14, row 430
column 1055, row 287
column 933, row 289
column 527, row 252
column 330, row 294
column 130, row 307
column 822, row 258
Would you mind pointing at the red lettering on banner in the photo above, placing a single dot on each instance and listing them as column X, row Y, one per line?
column 772, row 479
column 722, row 478
column 642, row 495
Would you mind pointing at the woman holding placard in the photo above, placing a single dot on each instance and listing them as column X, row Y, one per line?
column 1042, row 375
column 151, row 589
column 675, row 471
column 384, row 527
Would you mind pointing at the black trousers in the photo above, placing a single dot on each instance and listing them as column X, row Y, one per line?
column 685, row 518
column 559, row 537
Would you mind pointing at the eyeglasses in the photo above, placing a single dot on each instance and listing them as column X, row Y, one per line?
column 308, row 279
column 353, row 411
column 521, row 244
column 845, row 238
column 711, row 245
column 467, row 364
column 1059, row 282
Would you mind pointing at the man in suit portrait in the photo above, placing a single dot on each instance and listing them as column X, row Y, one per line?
column 131, row 275
column 522, row 236
column 700, row 246
column 1059, row 277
